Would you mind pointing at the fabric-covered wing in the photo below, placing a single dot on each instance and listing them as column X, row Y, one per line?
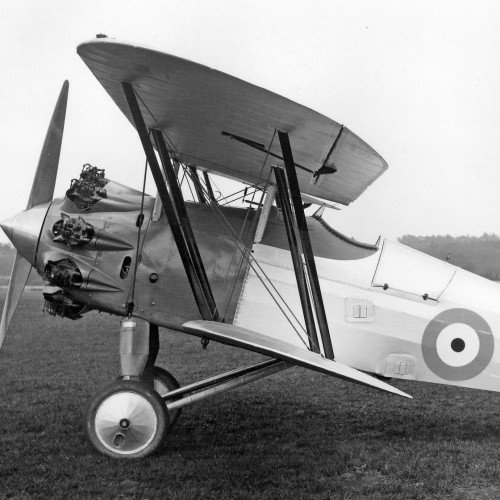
column 193, row 104
column 254, row 341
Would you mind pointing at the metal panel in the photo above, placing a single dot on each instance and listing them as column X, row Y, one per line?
column 193, row 104
column 115, row 239
column 256, row 308
column 169, row 297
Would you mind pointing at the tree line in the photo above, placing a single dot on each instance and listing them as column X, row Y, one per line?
column 478, row 254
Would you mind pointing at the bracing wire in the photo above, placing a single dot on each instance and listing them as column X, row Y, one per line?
column 252, row 262
column 140, row 220
column 261, row 274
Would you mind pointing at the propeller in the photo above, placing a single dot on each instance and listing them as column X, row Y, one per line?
column 42, row 191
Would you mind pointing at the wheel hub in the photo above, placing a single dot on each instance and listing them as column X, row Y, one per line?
column 125, row 422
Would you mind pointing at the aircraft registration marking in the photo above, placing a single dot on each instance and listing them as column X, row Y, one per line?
column 457, row 344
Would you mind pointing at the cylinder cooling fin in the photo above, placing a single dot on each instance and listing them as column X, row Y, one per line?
column 73, row 231
column 63, row 273
column 58, row 303
column 86, row 191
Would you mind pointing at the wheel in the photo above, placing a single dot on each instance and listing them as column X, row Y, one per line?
column 126, row 419
column 164, row 382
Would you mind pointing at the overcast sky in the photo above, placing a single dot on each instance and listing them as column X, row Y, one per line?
column 418, row 81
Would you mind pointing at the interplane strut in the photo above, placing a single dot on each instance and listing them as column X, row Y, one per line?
column 296, row 259
column 175, row 210
column 292, row 194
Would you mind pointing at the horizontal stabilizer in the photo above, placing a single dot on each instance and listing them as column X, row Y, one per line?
column 254, row 341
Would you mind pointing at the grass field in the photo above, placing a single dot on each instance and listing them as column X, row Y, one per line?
column 297, row 434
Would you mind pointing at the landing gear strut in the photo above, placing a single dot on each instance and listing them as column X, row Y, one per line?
column 131, row 417
column 128, row 418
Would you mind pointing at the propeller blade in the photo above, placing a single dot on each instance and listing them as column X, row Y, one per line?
column 42, row 189
column 18, row 278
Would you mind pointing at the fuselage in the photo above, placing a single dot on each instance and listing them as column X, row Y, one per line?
column 391, row 310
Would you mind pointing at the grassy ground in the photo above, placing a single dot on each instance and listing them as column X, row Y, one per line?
column 296, row 434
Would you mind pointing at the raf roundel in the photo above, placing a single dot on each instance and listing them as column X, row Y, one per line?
column 457, row 344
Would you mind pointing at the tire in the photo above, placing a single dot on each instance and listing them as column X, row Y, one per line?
column 126, row 419
column 164, row 382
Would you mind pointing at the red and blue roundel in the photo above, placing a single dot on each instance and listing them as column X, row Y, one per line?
column 457, row 344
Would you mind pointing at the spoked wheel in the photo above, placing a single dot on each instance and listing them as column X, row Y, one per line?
column 164, row 382
column 126, row 419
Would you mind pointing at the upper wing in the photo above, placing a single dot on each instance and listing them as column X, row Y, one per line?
column 194, row 104
column 254, row 341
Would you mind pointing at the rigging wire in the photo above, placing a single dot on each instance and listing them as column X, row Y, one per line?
column 182, row 177
column 219, row 214
column 244, row 195
column 187, row 176
column 244, row 190
column 140, row 220
column 261, row 274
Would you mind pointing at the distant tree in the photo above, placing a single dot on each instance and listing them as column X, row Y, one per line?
column 478, row 254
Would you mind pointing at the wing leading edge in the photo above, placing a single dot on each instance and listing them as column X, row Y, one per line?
column 194, row 104
column 254, row 341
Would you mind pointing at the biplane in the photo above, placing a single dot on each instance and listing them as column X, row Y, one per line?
column 263, row 277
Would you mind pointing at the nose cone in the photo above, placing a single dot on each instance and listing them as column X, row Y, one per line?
column 23, row 230
column 8, row 227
